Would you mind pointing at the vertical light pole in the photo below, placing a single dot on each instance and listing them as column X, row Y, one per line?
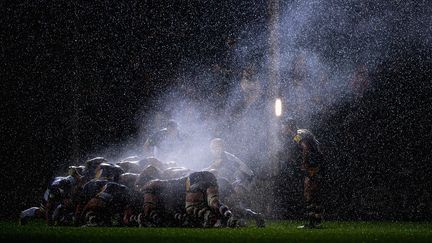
column 274, row 101
column 272, row 93
column 75, row 116
column 75, row 83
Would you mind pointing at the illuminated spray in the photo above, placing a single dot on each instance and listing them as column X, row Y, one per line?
column 294, row 33
column 308, row 52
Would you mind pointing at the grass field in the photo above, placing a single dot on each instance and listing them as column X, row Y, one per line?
column 276, row 231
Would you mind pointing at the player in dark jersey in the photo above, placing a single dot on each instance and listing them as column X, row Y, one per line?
column 227, row 165
column 235, row 179
column 57, row 204
column 191, row 201
column 133, row 213
column 88, row 173
column 100, row 195
column 62, row 194
column 107, row 208
column 165, row 144
column 312, row 166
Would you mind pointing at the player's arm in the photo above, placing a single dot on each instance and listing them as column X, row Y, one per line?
column 215, row 165
column 245, row 169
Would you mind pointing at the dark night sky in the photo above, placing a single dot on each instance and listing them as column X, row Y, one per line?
column 113, row 58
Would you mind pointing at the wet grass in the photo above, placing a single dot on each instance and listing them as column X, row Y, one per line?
column 276, row 231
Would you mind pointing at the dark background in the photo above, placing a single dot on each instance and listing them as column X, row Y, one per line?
column 76, row 78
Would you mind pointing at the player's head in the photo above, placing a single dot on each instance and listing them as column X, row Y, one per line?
column 109, row 172
column 217, row 146
column 172, row 128
column 76, row 171
column 128, row 179
column 151, row 161
column 249, row 85
column 214, row 172
column 148, row 174
column 91, row 166
column 172, row 125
